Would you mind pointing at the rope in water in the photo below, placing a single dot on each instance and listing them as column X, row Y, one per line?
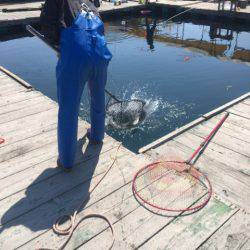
column 72, row 217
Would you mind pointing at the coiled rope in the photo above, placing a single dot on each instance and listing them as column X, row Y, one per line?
column 69, row 230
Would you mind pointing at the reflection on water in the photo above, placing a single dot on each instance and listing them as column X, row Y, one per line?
column 212, row 39
column 181, row 69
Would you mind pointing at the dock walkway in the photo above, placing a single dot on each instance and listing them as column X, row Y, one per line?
column 27, row 17
column 34, row 192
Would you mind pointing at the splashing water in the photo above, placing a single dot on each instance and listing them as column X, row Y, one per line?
column 128, row 118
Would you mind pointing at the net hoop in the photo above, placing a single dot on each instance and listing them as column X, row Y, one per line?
column 188, row 209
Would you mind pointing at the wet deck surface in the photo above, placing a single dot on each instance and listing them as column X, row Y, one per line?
column 34, row 192
column 25, row 17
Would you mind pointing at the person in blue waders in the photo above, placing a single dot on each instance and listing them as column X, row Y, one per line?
column 74, row 26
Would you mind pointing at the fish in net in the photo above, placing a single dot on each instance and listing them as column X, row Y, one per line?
column 126, row 114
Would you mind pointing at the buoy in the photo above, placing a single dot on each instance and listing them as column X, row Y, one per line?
column 2, row 140
column 145, row 12
column 186, row 58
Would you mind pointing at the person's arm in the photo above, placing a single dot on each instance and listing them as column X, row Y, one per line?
column 50, row 20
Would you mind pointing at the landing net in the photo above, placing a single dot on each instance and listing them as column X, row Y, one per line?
column 172, row 186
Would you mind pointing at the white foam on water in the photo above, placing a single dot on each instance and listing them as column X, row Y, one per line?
column 157, row 110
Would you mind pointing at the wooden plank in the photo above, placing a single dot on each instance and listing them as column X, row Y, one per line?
column 171, row 135
column 235, row 234
column 29, row 144
column 16, row 78
column 117, row 213
column 247, row 101
column 21, row 96
column 133, row 230
column 11, row 90
column 43, row 153
column 226, row 106
column 53, row 182
column 218, row 153
column 2, row 76
column 242, row 105
column 116, row 206
column 7, row 109
column 7, row 80
column 235, row 187
column 114, row 200
column 139, row 226
column 230, row 129
column 126, row 227
column 5, row 83
column 31, row 128
column 30, row 225
column 124, row 220
column 222, row 139
column 58, row 204
column 26, row 121
column 35, row 128
column 34, row 109
column 28, row 160
column 235, row 120
column 241, row 109
column 22, row 179
column 188, row 232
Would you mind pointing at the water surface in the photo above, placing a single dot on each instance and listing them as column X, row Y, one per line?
column 182, row 69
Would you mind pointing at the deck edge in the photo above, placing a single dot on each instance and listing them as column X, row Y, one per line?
column 171, row 135
column 16, row 78
column 225, row 106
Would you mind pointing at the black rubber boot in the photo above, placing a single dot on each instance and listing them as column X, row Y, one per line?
column 59, row 164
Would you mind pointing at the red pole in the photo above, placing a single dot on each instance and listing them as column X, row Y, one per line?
column 208, row 138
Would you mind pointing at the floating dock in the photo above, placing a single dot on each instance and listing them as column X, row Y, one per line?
column 27, row 17
column 35, row 192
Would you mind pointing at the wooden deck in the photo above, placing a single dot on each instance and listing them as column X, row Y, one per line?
column 226, row 161
column 27, row 17
column 34, row 192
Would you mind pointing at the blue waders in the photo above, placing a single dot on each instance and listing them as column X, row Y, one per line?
column 84, row 58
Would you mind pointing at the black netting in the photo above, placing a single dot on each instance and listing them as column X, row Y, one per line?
column 125, row 114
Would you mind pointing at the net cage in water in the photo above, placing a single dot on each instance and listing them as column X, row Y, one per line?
column 172, row 186
column 126, row 114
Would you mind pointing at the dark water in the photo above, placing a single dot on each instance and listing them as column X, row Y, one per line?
column 181, row 69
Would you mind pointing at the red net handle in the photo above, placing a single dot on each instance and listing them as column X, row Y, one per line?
column 208, row 138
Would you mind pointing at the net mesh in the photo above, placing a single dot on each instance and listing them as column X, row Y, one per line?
column 171, row 186
column 126, row 114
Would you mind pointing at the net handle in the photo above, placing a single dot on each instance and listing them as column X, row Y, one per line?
column 207, row 139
